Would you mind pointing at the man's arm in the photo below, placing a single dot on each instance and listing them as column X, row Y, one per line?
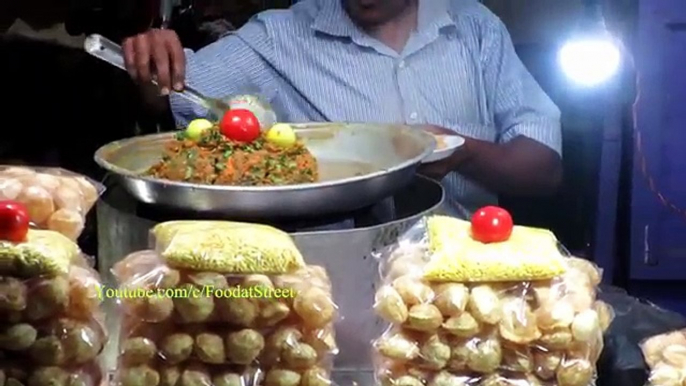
column 521, row 166
column 526, row 160
column 235, row 64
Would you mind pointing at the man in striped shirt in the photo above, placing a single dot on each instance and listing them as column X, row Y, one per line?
column 446, row 64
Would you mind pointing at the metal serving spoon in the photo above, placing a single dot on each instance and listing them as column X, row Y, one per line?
column 110, row 52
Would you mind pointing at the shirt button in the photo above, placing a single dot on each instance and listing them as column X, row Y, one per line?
column 413, row 116
column 401, row 64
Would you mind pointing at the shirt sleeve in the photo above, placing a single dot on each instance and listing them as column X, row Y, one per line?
column 520, row 107
column 235, row 64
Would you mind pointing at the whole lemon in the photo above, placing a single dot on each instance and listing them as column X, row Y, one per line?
column 197, row 127
column 282, row 135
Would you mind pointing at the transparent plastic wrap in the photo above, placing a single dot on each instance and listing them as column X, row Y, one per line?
column 183, row 326
column 258, row 105
column 229, row 247
column 482, row 329
column 19, row 374
column 39, row 253
column 51, row 324
column 665, row 355
column 75, row 295
column 622, row 362
column 56, row 199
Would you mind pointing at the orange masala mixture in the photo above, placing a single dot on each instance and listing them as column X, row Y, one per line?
column 216, row 160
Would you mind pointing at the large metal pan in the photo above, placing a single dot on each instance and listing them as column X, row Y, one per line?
column 359, row 165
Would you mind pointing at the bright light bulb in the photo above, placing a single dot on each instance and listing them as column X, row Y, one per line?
column 590, row 62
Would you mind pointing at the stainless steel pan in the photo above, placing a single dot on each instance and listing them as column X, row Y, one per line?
column 360, row 164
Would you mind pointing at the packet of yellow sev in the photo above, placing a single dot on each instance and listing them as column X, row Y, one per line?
column 43, row 253
column 529, row 254
column 226, row 247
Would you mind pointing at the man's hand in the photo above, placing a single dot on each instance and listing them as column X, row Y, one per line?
column 156, row 53
column 439, row 169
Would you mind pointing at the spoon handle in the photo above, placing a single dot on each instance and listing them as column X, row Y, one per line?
column 111, row 52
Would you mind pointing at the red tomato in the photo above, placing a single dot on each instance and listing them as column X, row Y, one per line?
column 14, row 221
column 240, row 125
column 491, row 224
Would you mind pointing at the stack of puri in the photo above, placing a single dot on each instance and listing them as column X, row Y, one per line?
column 209, row 339
column 51, row 329
column 489, row 334
column 665, row 354
column 56, row 199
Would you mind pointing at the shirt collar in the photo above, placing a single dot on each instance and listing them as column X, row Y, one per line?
column 434, row 15
column 333, row 20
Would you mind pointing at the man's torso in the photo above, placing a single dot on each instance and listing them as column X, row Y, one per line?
column 328, row 75
column 322, row 68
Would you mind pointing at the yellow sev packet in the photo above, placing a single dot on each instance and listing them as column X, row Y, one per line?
column 226, row 247
column 43, row 253
column 529, row 254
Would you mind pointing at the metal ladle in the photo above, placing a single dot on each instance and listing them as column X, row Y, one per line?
column 110, row 52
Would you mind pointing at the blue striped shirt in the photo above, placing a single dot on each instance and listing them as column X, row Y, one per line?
column 459, row 70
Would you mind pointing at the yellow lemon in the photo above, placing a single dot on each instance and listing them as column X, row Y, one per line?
column 197, row 127
column 282, row 135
